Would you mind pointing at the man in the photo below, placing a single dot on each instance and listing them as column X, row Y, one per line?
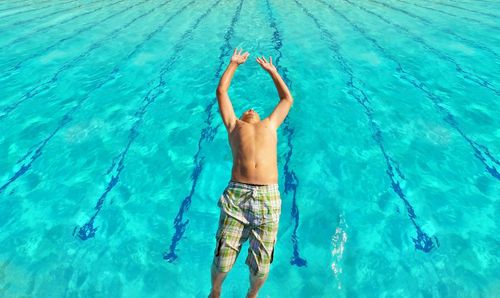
column 250, row 205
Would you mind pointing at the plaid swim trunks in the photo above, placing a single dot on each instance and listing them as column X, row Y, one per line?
column 247, row 212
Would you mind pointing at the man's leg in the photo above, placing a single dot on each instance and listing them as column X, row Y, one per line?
column 217, row 279
column 263, row 237
column 260, row 255
column 255, row 284
column 230, row 236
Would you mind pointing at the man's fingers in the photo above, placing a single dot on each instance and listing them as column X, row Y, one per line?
column 240, row 51
column 234, row 52
column 264, row 58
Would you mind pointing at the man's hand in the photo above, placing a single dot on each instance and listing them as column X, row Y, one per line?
column 267, row 66
column 238, row 58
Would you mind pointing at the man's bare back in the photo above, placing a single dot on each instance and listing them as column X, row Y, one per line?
column 254, row 147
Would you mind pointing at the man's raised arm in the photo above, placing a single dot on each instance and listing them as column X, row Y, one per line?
column 286, row 100
column 225, row 106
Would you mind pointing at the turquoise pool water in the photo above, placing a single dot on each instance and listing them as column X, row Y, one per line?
column 113, row 153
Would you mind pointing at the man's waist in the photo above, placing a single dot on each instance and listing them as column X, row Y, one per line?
column 251, row 186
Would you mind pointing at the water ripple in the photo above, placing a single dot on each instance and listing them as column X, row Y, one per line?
column 480, row 151
column 469, row 10
column 52, row 82
column 30, row 10
column 207, row 134
column 291, row 180
column 423, row 241
column 25, row 37
column 451, row 14
column 470, row 42
column 339, row 240
column 36, row 151
column 88, row 230
column 38, row 18
column 468, row 75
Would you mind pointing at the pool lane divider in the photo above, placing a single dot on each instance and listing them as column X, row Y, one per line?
column 291, row 179
column 423, row 241
column 9, row 71
column 468, row 75
column 39, row 30
column 481, row 152
column 207, row 134
column 451, row 14
column 25, row 11
column 52, row 82
column 36, row 151
column 39, row 18
column 469, row 42
column 88, row 230
column 467, row 9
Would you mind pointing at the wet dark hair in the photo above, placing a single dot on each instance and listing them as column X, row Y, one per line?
column 242, row 115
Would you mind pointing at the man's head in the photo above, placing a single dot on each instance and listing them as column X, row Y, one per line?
column 250, row 116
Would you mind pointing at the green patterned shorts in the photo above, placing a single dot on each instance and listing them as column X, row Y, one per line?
column 247, row 212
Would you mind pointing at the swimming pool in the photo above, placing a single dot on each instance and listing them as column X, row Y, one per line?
column 114, row 154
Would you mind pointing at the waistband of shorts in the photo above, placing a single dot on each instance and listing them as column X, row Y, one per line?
column 267, row 187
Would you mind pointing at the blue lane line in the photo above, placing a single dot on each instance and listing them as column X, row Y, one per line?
column 88, row 230
column 25, row 37
column 476, row 2
column 291, row 179
column 467, row 41
column 18, row 1
column 469, row 10
column 468, row 75
column 16, row 7
column 23, row 11
column 423, row 241
column 36, row 151
column 10, row 71
column 451, row 14
column 481, row 152
column 52, row 82
column 207, row 134
column 36, row 18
